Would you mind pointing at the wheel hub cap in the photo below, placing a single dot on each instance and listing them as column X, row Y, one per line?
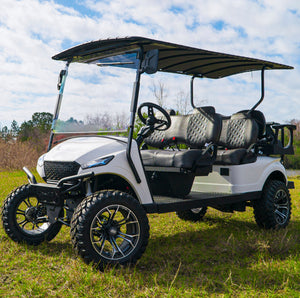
column 30, row 214
column 112, row 231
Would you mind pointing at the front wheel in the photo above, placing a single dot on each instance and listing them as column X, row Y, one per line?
column 25, row 219
column 273, row 209
column 108, row 228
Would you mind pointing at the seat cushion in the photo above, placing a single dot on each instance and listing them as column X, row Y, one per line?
column 186, row 159
column 234, row 157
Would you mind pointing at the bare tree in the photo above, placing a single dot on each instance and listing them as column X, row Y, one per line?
column 159, row 91
column 182, row 102
column 107, row 122
column 103, row 121
column 121, row 121
column 297, row 131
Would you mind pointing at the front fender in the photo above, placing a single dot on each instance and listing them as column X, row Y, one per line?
column 119, row 166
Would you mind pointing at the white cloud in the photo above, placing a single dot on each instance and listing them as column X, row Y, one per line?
column 31, row 31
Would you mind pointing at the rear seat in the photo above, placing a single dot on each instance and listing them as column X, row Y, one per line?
column 196, row 131
column 239, row 133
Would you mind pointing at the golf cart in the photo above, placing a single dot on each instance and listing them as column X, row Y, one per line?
column 103, row 186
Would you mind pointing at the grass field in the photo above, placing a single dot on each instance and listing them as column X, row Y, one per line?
column 225, row 255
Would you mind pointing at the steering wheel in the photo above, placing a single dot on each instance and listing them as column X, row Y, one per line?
column 155, row 123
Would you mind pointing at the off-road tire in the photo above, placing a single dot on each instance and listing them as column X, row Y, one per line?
column 96, row 232
column 194, row 215
column 13, row 227
column 273, row 209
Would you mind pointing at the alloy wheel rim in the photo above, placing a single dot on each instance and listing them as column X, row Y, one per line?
column 115, row 232
column 281, row 207
column 31, row 216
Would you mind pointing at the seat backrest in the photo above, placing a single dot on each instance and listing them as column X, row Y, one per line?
column 238, row 131
column 193, row 130
column 260, row 119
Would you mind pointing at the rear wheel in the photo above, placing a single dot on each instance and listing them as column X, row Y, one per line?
column 195, row 214
column 110, row 227
column 25, row 219
column 273, row 210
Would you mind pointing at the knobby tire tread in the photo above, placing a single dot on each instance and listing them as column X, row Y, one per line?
column 264, row 207
column 10, row 225
column 81, row 218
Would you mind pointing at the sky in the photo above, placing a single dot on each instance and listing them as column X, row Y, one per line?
column 32, row 31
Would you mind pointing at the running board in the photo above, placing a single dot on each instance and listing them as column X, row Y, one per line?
column 164, row 204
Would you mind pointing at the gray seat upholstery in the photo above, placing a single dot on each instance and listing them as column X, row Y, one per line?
column 195, row 130
column 239, row 132
column 185, row 159
column 260, row 120
column 234, row 156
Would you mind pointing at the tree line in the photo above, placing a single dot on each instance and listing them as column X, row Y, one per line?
column 40, row 123
column 36, row 131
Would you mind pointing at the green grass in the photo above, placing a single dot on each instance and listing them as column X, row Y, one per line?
column 225, row 255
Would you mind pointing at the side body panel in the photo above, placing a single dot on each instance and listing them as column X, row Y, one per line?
column 239, row 178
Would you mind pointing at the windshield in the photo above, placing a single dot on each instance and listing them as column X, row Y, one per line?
column 128, row 60
column 95, row 100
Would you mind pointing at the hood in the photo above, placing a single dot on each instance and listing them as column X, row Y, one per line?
column 83, row 149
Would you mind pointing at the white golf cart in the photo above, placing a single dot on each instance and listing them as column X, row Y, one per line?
column 103, row 186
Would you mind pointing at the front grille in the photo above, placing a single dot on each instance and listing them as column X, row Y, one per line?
column 55, row 170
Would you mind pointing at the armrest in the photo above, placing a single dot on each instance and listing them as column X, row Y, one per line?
column 279, row 126
column 274, row 142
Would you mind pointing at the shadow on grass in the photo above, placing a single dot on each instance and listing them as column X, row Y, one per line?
column 230, row 253
column 215, row 236
column 219, row 255
column 54, row 248
column 61, row 245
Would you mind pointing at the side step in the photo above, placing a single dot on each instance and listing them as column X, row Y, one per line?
column 164, row 204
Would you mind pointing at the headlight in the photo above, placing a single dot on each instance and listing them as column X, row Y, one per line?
column 41, row 160
column 102, row 161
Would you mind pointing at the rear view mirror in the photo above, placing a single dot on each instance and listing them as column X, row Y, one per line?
column 60, row 77
column 150, row 62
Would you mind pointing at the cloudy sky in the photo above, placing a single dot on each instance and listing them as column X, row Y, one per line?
column 32, row 31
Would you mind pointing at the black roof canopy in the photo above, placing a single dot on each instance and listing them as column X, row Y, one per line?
column 173, row 58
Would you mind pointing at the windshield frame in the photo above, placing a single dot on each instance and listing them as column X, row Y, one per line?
column 134, row 101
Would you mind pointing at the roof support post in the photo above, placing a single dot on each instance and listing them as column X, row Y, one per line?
column 192, row 91
column 134, row 101
column 262, row 90
column 61, row 85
